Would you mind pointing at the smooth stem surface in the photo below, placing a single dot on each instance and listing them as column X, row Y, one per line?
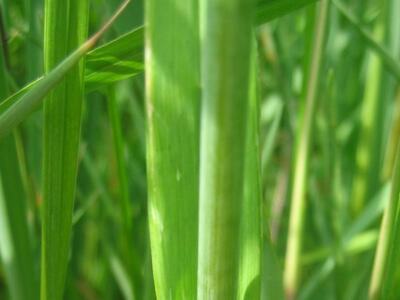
column 225, row 75
column 297, row 210
column 65, row 29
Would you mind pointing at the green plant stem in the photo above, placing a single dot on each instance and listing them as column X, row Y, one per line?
column 304, row 140
column 226, row 27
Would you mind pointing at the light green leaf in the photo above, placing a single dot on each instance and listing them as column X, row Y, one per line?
column 172, row 101
column 226, row 32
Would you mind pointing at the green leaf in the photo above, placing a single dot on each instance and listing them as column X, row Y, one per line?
column 65, row 28
column 383, row 54
column 117, row 60
column 172, row 101
column 268, row 10
column 19, row 106
column 226, row 27
column 250, row 227
column 386, row 274
column 16, row 251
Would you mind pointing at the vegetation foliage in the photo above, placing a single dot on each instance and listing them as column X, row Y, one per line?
column 199, row 149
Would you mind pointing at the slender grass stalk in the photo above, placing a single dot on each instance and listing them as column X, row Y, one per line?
column 172, row 102
column 226, row 27
column 15, row 247
column 298, row 201
column 383, row 274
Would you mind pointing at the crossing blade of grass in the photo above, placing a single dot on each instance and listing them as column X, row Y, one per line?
column 172, row 101
column 226, row 27
column 15, row 248
column 65, row 28
column 17, row 107
column 304, row 140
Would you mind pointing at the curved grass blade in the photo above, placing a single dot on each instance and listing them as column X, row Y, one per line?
column 172, row 102
column 226, row 27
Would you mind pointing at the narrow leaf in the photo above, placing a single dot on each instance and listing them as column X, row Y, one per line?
column 65, row 28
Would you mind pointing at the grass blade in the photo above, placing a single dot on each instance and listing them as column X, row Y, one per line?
column 225, row 71
column 384, row 55
column 268, row 10
column 117, row 60
column 172, row 101
column 385, row 275
column 16, row 251
column 250, row 227
column 297, row 210
column 65, row 28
